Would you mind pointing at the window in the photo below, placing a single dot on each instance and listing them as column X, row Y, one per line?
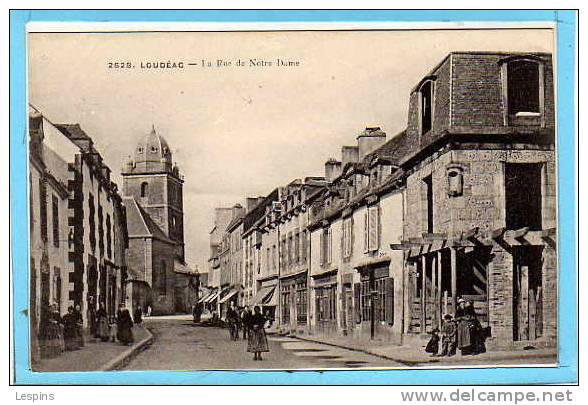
column 326, row 246
column 523, row 87
column 303, row 243
column 140, row 149
column 57, row 287
column 426, row 106
column 523, row 196
column 92, row 220
column 55, row 210
column 347, row 237
column 297, row 247
column 301, row 302
column 286, row 304
column 383, row 300
column 160, row 279
column 371, row 229
column 43, row 209
column 144, row 189
column 108, row 236
column 100, row 228
column 326, row 303
column 428, row 185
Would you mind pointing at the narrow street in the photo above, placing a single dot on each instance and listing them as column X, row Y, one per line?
column 181, row 345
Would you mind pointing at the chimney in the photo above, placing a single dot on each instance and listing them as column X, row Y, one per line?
column 332, row 170
column 370, row 140
column 237, row 210
column 251, row 202
column 349, row 154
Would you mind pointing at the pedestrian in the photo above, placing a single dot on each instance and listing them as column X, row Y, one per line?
column 448, row 336
column 51, row 332
column 103, row 329
column 138, row 315
column 124, row 326
column 70, row 325
column 433, row 344
column 113, row 329
column 79, row 325
column 257, row 342
column 465, row 328
column 148, row 312
column 91, row 315
column 197, row 312
column 246, row 322
column 478, row 338
column 232, row 318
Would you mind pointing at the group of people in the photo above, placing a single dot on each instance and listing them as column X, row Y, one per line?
column 252, row 324
column 464, row 333
column 66, row 333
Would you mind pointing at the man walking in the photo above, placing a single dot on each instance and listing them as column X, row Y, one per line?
column 246, row 321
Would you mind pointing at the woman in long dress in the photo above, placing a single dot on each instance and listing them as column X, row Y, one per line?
column 51, row 332
column 124, row 327
column 257, row 342
column 103, row 329
column 70, row 325
column 466, row 327
column 79, row 325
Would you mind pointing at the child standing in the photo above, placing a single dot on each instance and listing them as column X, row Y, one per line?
column 448, row 336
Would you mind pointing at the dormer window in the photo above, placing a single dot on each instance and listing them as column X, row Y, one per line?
column 523, row 91
column 154, row 149
column 140, row 149
column 426, row 106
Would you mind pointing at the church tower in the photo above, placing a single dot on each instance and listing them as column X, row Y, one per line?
column 155, row 182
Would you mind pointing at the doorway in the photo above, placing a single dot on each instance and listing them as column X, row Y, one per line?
column 527, row 293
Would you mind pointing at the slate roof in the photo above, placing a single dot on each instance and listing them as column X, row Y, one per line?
column 393, row 150
column 140, row 224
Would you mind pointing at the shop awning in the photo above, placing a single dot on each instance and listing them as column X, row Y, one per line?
column 262, row 295
column 228, row 296
column 205, row 297
column 271, row 301
column 212, row 297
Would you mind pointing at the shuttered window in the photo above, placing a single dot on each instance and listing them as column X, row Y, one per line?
column 371, row 229
column 347, row 237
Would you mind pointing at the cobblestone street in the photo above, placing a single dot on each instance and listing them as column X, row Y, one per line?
column 181, row 345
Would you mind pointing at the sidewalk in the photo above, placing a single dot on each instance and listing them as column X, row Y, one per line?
column 415, row 355
column 96, row 355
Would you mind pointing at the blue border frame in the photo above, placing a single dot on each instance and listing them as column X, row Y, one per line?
column 567, row 372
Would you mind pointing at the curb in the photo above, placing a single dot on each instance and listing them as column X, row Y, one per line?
column 126, row 356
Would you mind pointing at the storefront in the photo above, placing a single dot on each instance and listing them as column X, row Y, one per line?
column 375, row 296
column 325, row 303
column 294, row 302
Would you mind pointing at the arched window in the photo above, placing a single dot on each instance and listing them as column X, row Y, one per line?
column 144, row 189
column 426, row 106
column 160, row 282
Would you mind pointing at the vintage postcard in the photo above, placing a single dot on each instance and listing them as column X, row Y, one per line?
column 292, row 198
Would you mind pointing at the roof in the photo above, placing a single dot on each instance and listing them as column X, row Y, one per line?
column 140, row 223
column 152, row 148
column 182, row 268
column 393, row 150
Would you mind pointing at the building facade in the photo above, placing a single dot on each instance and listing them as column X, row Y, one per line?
column 78, row 224
column 480, row 200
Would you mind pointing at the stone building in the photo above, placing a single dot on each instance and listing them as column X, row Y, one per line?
column 153, row 194
column 78, row 224
column 480, row 211
column 357, row 284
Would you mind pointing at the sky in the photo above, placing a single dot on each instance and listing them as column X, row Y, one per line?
column 238, row 131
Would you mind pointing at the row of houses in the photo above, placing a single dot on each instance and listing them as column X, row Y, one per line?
column 460, row 204
column 92, row 244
